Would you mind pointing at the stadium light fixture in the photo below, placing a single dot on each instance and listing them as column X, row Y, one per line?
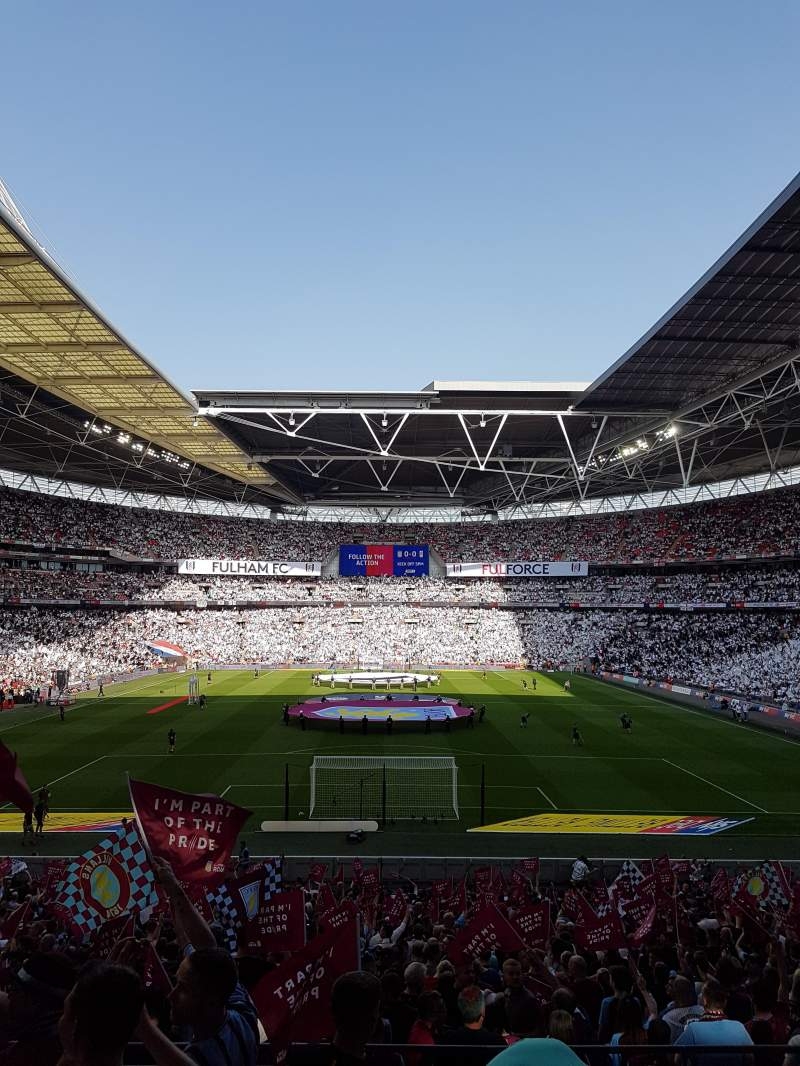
column 291, row 418
column 384, row 421
column 483, row 420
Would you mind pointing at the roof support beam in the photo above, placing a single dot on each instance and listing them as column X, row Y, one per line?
column 56, row 307
column 56, row 347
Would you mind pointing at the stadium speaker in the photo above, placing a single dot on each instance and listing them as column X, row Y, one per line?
column 357, row 836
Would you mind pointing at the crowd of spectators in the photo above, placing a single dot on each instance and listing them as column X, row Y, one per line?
column 707, row 964
column 733, row 584
column 765, row 523
column 752, row 653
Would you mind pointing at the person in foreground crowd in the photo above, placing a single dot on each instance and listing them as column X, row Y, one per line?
column 714, row 1027
column 747, row 971
column 100, row 1015
column 207, row 997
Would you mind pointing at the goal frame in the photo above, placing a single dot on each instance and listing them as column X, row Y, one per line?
column 359, row 765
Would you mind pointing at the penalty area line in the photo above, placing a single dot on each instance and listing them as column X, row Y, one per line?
column 705, row 781
column 544, row 795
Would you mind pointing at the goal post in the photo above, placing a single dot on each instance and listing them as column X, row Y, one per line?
column 399, row 787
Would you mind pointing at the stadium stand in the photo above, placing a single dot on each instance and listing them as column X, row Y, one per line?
column 744, row 526
column 589, row 962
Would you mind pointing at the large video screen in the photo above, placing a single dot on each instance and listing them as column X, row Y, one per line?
column 383, row 560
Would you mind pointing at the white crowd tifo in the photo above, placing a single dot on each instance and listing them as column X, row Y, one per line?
column 665, row 556
column 754, row 653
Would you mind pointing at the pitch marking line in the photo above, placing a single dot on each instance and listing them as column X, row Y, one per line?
column 705, row 780
column 355, row 751
column 63, row 777
column 226, row 791
column 544, row 795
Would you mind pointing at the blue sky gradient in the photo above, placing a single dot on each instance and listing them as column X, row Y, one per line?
column 374, row 195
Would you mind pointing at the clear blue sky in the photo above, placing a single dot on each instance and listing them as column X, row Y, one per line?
column 362, row 194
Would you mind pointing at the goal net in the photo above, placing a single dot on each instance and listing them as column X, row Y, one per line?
column 415, row 786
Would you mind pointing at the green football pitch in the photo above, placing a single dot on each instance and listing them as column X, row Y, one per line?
column 676, row 761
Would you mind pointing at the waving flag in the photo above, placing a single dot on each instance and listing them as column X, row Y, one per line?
column 487, row 929
column 196, row 834
column 593, row 933
column 294, row 1000
column 533, row 924
column 115, row 929
column 278, row 925
column 109, row 880
column 765, row 886
column 13, row 786
column 238, row 900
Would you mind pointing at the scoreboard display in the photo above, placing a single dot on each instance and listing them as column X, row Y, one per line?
column 383, row 560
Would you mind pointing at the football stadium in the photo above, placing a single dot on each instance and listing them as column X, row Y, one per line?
column 569, row 613
column 472, row 708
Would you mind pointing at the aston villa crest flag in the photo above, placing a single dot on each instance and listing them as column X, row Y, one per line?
column 109, row 880
column 239, row 899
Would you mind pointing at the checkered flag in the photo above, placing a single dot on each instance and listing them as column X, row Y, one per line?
column 112, row 878
column 273, row 877
column 239, row 899
column 778, row 893
column 226, row 912
column 630, row 870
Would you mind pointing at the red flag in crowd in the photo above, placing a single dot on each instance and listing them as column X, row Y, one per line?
column 681, row 867
column 665, row 877
column 721, row 886
column 443, row 888
column 570, row 906
column 483, row 878
column 488, row 929
column 339, row 878
column 111, row 932
column 196, row 834
column 326, row 900
column 339, row 916
column 279, row 924
column 54, row 875
column 793, row 919
column 485, row 897
column 458, row 901
column 370, row 879
column 14, row 920
column 635, row 909
column 13, row 786
column 594, row 933
column 396, row 910
column 533, row 924
column 5, row 867
column 645, row 929
column 294, row 1000
column 530, row 867
column 153, row 973
column 358, row 870
column 317, row 871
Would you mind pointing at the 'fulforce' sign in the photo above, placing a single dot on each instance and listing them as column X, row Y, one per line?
column 539, row 568
column 248, row 568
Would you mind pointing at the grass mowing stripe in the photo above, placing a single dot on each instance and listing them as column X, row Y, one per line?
column 735, row 795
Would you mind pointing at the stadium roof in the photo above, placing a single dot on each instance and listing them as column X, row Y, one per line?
column 711, row 392
column 77, row 397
